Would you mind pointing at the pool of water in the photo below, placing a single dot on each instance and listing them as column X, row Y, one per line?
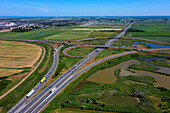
column 107, row 75
column 154, row 46
column 119, row 100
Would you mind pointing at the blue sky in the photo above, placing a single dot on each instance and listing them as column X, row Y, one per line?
column 84, row 7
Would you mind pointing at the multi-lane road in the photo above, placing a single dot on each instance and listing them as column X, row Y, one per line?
column 19, row 105
column 44, row 97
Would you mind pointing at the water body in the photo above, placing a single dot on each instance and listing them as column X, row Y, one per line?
column 154, row 46
column 119, row 100
column 107, row 75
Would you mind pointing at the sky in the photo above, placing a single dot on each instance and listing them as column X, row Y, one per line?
column 84, row 7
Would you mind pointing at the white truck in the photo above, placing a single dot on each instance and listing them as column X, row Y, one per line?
column 30, row 93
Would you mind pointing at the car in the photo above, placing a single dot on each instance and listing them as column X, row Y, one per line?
column 97, row 51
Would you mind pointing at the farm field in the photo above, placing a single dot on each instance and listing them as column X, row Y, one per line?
column 100, row 26
column 36, row 34
column 101, row 34
column 69, row 35
column 155, row 31
column 17, row 94
column 18, row 54
column 97, row 40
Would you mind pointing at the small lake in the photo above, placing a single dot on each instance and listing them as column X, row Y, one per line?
column 107, row 75
column 154, row 46
column 119, row 100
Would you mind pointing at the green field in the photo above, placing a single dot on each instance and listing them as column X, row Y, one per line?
column 101, row 34
column 107, row 53
column 97, row 40
column 80, row 51
column 69, row 35
column 37, row 34
column 100, row 26
column 157, row 31
column 62, row 33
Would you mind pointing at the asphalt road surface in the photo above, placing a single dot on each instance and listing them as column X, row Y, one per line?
column 21, row 104
column 44, row 97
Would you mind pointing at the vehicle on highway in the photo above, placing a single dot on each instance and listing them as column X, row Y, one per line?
column 55, row 49
column 97, row 51
column 30, row 93
column 42, row 80
column 53, row 90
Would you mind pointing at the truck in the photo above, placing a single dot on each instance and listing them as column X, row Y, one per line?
column 42, row 80
column 30, row 93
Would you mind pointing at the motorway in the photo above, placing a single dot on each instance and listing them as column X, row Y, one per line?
column 43, row 98
column 19, row 105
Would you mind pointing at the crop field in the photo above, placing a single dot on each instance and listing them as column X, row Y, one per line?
column 69, row 35
column 101, row 34
column 18, row 54
column 97, row 40
column 36, row 34
column 17, row 94
column 99, row 26
column 157, row 31
column 7, row 72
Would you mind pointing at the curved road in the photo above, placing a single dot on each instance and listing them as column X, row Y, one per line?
column 45, row 96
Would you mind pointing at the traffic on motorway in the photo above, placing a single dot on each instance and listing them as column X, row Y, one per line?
column 36, row 104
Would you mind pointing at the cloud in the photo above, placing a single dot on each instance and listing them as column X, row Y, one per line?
column 36, row 4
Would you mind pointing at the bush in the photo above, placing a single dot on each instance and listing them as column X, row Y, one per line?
column 22, row 29
column 145, row 79
column 117, row 72
column 162, row 89
column 167, row 99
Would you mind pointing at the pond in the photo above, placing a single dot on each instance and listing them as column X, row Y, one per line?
column 107, row 75
column 154, row 46
column 119, row 100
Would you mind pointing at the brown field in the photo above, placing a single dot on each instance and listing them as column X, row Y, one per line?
column 7, row 72
column 18, row 54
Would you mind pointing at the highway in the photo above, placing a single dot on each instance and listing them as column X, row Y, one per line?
column 21, row 104
column 45, row 96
